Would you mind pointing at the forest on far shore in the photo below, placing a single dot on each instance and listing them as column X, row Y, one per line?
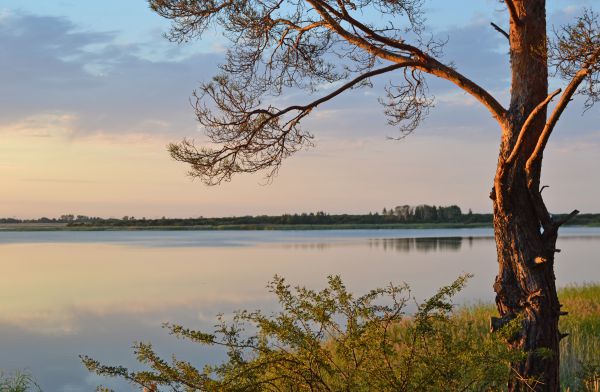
column 405, row 214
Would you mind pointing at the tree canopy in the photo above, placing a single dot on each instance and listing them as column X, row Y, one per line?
column 278, row 45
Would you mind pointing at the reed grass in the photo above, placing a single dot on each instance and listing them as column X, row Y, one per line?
column 580, row 351
column 18, row 381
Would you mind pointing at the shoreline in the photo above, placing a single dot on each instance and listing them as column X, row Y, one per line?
column 27, row 227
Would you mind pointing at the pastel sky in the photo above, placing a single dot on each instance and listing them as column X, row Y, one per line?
column 90, row 95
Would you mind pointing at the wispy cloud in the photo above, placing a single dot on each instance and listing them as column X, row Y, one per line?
column 48, row 66
column 42, row 125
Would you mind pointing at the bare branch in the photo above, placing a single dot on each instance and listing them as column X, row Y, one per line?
column 558, row 110
column 576, row 55
column 438, row 69
column 408, row 103
column 532, row 116
column 336, row 92
column 500, row 30
column 324, row 10
column 371, row 33
column 252, row 139
column 567, row 218
column 430, row 65
column 575, row 47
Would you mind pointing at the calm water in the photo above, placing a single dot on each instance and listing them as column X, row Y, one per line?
column 68, row 293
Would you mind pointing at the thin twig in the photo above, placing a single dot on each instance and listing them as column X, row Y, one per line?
column 500, row 30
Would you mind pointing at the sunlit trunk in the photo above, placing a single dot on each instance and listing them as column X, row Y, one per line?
column 525, row 286
column 525, row 235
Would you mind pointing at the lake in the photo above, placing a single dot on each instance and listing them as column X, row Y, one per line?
column 63, row 294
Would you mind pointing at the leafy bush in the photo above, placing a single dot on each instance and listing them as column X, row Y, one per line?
column 329, row 340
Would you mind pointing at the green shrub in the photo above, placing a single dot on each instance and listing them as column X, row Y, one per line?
column 330, row 340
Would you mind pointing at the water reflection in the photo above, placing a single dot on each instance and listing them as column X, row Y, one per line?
column 400, row 245
column 64, row 296
column 321, row 246
column 407, row 245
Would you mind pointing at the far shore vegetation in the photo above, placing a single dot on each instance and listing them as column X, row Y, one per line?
column 401, row 217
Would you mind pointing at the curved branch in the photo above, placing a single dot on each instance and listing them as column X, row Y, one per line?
column 443, row 71
column 360, row 42
column 422, row 62
column 532, row 116
column 549, row 226
column 372, row 33
column 565, row 98
column 334, row 93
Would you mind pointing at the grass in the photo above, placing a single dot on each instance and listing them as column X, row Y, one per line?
column 17, row 382
column 580, row 351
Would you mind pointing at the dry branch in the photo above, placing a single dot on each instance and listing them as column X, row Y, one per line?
column 500, row 30
column 527, row 124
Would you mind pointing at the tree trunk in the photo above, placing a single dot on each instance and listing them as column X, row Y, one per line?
column 524, row 231
column 525, row 287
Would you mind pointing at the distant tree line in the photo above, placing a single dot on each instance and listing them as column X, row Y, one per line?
column 67, row 218
column 427, row 213
column 421, row 214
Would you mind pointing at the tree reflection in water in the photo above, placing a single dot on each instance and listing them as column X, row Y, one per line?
column 408, row 245
column 402, row 245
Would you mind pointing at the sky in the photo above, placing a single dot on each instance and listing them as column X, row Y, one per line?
column 91, row 94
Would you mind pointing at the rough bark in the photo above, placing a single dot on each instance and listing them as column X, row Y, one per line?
column 524, row 231
column 525, row 284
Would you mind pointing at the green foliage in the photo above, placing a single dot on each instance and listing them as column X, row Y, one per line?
column 419, row 217
column 580, row 351
column 589, row 377
column 331, row 340
column 17, row 382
